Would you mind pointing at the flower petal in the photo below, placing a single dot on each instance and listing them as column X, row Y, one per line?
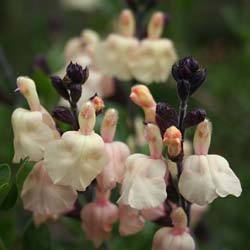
column 76, row 159
column 196, row 183
column 224, row 179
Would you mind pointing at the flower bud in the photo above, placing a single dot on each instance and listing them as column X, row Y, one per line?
column 75, row 91
column 27, row 88
column 98, row 104
column 141, row 96
column 189, row 69
column 179, row 218
column 166, row 116
column 202, row 137
column 87, row 118
column 63, row 114
column 127, row 23
column 76, row 74
column 172, row 138
column 156, row 25
column 194, row 117
column 59, row 86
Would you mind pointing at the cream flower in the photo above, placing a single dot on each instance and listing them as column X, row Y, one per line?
column 82, row 5
column 79, row 156
column 176, row 238
column 117, row 153
column 41, row 196
column 205, row 177
column 98, row 218
column 144, row 185
column 153, row 58
column 113, row 54
column 131, row 222
column 34, row 128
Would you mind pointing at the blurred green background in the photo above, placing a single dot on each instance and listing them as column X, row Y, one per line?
column 215, row 32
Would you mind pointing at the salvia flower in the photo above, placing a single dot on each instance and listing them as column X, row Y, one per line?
column 41, row 196
column 116, row 151
column 144, row 185
column 34, row 128
column 141, row 96
column 188, row 70
column 176, row 237
column 98, row 218
column 113, row 54
column 130, row 220
column 152, row 59
column 205, row 176
column 79, row 156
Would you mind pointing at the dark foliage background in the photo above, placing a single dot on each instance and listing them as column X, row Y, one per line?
column 215, row 32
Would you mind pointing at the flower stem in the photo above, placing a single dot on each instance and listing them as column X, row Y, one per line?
column 73, row 108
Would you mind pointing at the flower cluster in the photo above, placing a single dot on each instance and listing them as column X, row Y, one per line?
column 126, row 57
column 166, row 188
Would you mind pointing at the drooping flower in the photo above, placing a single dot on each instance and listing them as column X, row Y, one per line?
column 141, row 96
column 98, row 218
column 130, row 221
column 174, row 238
column 113, row 54
column 44, row 198
column 117, row 153
column 34, row 128
column 144, row 185
column 79, row 156
column 154, row 213
column 204, row 176
column 152, row 59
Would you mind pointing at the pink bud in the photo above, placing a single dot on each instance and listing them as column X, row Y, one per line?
column 130, row 221
column 172, row 138
column 98, row 218
column 141, row 96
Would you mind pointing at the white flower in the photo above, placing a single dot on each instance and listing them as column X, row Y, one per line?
column 113, row 56
column 205, row 177
column 33, row 129
column 144, row 184
column 152, row 60
column 79, row 156
column 41, row 196
column 81, row 5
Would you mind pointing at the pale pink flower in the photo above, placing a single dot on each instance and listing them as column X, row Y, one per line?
column 79, row 156
column 44, row 198
column 33, row 129
column 174, row 238
column 204, row 176
column 144, row 185
column 98, row 218
column 154, row 213
column 196, row 214
column 131, row 222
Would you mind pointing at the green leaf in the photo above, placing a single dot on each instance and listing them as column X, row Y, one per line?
column 22, row 174
column 5, row 175
column 11, row 198
column 37, row 238
column 2, row 246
